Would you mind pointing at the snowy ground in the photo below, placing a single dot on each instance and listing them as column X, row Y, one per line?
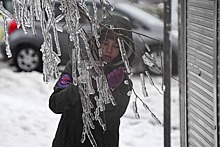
column 26, row 121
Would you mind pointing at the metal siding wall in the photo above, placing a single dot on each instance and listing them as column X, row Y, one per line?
column 199, row 76
column 218, row 67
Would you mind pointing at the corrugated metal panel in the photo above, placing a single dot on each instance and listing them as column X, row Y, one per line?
column 202, row 89
column 199, row 76
column 197, row 36
column 205, row 4
column 199, row 28
column 203, row 21
column 201, row 55
column 204, row 74
column 218, row 68
column 199, row 64
column 200, row 46
column 199, row 11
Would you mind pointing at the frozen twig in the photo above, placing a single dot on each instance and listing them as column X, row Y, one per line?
column 145, row 106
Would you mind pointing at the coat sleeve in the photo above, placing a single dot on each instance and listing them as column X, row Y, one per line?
column 112, row 114
column 122, row 96
column 65, row 93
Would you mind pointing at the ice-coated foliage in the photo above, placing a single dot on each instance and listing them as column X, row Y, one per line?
column 27, row 12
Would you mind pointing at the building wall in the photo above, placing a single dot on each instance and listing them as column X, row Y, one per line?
column 199, row 101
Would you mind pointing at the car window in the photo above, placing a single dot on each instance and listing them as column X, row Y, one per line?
column 144, row 19
column 7, row 4
column 57, row 9
column 135, row 24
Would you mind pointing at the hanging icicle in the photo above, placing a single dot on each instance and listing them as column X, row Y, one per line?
column 104, row 10
column 50, row 58
column 6, row 15
column 151, row 82
column 124, row 55
column 98, row 118
column 144, row 89
column 135, row 109
column 148, row 60
column 8, row 51
column 104, row 91
column 95, row 27
column 145, row 106
column 83, row 6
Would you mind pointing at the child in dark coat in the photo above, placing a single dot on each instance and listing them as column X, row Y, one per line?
column 66, row 98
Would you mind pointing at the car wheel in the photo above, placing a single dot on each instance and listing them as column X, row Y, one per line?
column 28, row 58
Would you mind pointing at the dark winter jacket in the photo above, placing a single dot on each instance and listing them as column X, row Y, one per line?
column 65, row 100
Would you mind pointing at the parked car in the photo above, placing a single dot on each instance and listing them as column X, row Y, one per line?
column 26, row 47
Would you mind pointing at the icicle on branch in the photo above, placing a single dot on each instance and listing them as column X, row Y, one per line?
column 150, row 61
column 8, row 51
column 87, row 115
column 151, row 82
column 135, row 109
column 124, row 55
column 145, row 106
column 144, row 89
column 50, row 58
column 6, row 15
column 104, row 11
column 97, row 117
column 27, row 12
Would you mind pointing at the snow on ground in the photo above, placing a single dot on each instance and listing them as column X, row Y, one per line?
column 26, row 120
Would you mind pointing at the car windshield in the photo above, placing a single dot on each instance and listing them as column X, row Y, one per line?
column 139, row 14
column 7, row 4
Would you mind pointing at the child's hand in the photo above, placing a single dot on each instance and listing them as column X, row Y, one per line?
column 115, row 77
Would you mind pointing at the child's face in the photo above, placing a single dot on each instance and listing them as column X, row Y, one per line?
column 110, row 50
